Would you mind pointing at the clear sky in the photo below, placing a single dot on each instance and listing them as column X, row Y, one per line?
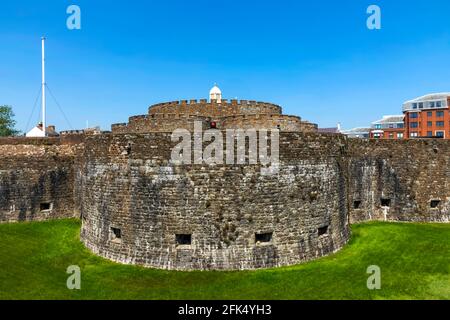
column 317, row 59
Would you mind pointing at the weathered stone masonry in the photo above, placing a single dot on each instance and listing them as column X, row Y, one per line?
column 233, row 114
column 37, row 178
column 222, row 208
column 406, row 180
column 137, row 207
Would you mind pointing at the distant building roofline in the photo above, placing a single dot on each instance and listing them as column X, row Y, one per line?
column 427, row 102
column 390, row 119
column 431, row 96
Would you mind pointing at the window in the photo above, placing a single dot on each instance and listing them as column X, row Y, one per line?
column 45, row 206
column 434, row 203
column 391, row 135
column 400, row 135
column 356, row 204
column 322, row 230
column 183, row 239
column 439, row 123
column 414, row 115
column 429, row 123
column 263, row 237
column 429, row 133
column 430, row 113
column 400, row 125
column 385, row 202
column 438, row 104
column 414, row 125
column 414, row 105
column 378, row 126
column 440, row 134
column 116, row 234
column 413, row 135
column 421, row 105
column 440, row 114
column 432, row 104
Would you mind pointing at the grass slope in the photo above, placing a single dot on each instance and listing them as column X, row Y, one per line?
column 414, row 261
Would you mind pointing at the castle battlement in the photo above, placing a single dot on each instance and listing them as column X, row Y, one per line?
column 212, row 101
column 215, row 108
column 233, row 114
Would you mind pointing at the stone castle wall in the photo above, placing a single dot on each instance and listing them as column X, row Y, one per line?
column 213, row 109
column 234, row 114
column 37, row 178
column 170, row 122
column 131, row 186
column 138, row 207
column 126, row 182
column 160, row 123
column 406, row 180
column 262, row 121
column 306, row 126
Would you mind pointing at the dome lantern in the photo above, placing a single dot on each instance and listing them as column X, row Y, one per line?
column 215, row 94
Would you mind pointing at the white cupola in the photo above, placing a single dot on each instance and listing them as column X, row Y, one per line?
column 215, row 94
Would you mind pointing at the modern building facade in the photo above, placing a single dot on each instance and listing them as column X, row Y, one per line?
column 389, row 127
column 428, row 116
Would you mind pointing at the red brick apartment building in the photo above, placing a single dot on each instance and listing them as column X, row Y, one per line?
column 428, row 116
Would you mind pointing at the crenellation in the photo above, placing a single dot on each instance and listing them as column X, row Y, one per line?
column 184, row 109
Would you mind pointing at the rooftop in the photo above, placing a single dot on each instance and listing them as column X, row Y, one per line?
column 432, row 96
column 356, row 130
column 429, row 101
column 390, row 119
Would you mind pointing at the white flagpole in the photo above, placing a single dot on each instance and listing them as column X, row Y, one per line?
column 43, row 86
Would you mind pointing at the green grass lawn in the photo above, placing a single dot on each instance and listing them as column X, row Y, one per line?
column 414, row 261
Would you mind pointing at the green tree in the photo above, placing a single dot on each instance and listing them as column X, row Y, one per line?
column 7, row 122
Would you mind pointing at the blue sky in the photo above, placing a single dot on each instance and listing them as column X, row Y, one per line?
column 317, row 59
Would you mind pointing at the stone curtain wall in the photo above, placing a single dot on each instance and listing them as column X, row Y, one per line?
column 411, row 177
column 136, row 193
column 37, row 179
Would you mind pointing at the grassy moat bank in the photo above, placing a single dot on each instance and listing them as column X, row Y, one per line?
column 414, row 260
